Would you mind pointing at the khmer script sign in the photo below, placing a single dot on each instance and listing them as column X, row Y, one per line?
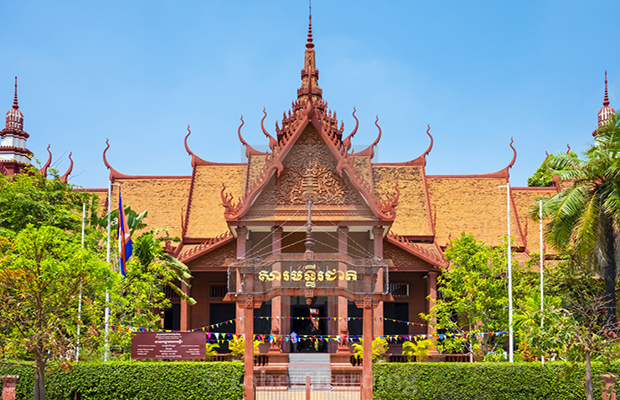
column 309, row 274
column 168, row 345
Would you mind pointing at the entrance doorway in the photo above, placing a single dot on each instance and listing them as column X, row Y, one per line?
column 311, row 327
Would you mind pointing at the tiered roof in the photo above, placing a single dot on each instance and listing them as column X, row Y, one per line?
column 421, row 212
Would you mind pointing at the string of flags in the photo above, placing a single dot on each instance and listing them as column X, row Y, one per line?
column 221, row 336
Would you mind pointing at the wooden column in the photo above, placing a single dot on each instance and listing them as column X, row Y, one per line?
column 279, row 324
column 367, row 360
column 248, row 356
column 185, row 311
column 378, row 252
column 241, row 247
column 343, row 304
column 431, row 291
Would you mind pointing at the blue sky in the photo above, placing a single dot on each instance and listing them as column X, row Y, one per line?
column 137, row 72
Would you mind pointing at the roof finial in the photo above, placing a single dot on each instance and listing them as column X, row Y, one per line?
column 606, row 99
column 15, row 105
column 310, row 45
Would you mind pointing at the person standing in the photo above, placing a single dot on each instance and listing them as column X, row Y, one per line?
column 294, row 341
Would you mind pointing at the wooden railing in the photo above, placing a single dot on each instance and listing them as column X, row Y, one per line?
column 221, row 357
column 261, row 360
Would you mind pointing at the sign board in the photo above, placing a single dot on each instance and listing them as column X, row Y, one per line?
column 168, row 345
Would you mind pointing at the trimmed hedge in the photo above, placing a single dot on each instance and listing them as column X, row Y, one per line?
column 484, row 381
column 392, row 381
column 135, row 380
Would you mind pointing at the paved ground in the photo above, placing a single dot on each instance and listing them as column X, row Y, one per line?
column 262, row 394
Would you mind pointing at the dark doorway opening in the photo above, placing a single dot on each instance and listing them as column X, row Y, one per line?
column 398, row 312
column 219, row 313
column 172, row 317
column 312, row 338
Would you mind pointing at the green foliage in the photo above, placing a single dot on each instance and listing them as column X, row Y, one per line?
column 41, row 274
column 34, row 200
column 584, row 219
column 483, row 381
column 379, row 348
column 474, row 295
column 211, row 350
column 543, row 176
column 419, row 349
column 237, row 347
column 135, row 381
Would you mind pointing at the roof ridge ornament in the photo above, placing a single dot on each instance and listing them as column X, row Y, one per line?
column 249, row 150
column 43, row 170
column 65, row 177
column 272, row 142
column 347, row 142
column 514, row 157
column 430, row 147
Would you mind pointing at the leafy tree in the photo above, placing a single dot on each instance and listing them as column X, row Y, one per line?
column 585, row 217
column 31, row 199
column 474, row 294
column 40, row 274
column 475, row 297
column 544, row 175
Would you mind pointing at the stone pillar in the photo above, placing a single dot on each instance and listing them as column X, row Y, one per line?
column 9, row 384
column 279, row 324
column 248, row 356
column 609, row 391
column 342, row 325
column 367, row 348
column 185, row 310
column 378, row 252
column 241, row 247
column 431, row 291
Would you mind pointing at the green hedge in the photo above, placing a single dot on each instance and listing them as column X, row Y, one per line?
column 483, row 381
column 135, row 380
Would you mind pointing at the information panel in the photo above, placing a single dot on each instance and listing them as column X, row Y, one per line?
column 168, row 345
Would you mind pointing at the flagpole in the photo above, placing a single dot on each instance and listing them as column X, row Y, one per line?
column 542, row 287
column 107, row 293
column 77, row 351
column 510, row 331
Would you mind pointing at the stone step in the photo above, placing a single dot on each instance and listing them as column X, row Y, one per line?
column 314, row 365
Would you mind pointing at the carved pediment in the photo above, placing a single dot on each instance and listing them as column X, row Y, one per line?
column 401, row 258
column 215, row 258
column 309, row 174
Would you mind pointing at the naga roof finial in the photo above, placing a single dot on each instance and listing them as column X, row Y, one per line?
column 347, row 141
column 430, row 147
column 43, row 170
column 514, row 157
column 65, row 177
column 272, row 142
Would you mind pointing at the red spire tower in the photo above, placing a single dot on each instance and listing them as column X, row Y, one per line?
column 14, row 155
column 309, row 71
column 607, row 111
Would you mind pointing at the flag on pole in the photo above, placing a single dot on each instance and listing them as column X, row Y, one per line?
column 125, row 246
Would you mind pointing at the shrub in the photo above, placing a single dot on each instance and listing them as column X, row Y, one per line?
column 483, row 381
column 135, row 381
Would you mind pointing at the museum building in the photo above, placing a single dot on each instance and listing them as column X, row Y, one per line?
column 310, row 192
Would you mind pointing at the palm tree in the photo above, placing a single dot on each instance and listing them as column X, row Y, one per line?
column 585, row 217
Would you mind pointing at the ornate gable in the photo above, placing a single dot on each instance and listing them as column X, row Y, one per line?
column 309, row 173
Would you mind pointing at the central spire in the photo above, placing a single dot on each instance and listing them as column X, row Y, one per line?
column 309, row 71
